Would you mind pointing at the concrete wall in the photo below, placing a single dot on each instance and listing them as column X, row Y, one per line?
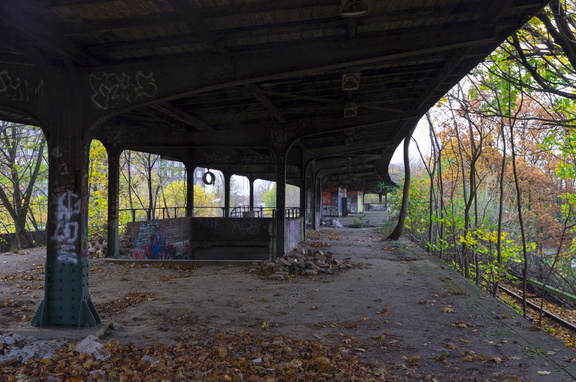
column 8, row 240
column 356, row 202
column 332, row 201
column 206, row 238
column 231, row 238
column 294, row 233
column 226, row 230
column 157, row 239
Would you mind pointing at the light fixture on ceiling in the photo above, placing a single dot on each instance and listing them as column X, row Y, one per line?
column 350, row 110
column 351, row 80
column 354, row 8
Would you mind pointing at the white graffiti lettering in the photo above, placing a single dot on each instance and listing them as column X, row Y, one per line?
column 16, row 89
column 67, row 236
column 112, row 90
column 227, row 158
column 246, row 227
column 257, row 159
column 217, row 158
column 210, row 224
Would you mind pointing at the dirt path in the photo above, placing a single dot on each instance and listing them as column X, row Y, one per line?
column 396, row 306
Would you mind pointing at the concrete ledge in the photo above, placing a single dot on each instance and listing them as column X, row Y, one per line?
column 186, row 262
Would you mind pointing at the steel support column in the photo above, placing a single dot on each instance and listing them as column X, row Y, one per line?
column 319, row 199
column 251, row 197
column 113, row 204
column 316, row 207
column 280, row 204
column 303, row 192
column 66, row 299
column 227, row 179
column 190, row 169
column 313, row 204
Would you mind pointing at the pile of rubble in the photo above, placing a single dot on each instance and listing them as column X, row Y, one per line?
column 329, row 222
column 97, row 246
column 16, row 348
column 303, row 262
column 19, row 348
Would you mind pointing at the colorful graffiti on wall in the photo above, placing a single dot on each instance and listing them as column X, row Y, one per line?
column 356, row 202
column 150, row 244
column 294, row 233
column 332, row 201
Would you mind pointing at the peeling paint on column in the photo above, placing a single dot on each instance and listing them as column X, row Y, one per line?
column 67, row 235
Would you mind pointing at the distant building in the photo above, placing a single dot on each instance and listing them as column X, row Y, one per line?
column 198, row 174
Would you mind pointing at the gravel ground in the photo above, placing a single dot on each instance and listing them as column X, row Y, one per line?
column 396, row 307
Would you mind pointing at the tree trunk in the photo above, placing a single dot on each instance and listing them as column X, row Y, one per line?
column 399, row 229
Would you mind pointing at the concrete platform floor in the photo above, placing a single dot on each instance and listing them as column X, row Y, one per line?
column 449, row 328
column 397, row 307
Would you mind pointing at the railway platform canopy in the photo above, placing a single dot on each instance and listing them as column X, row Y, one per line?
column 310, row 93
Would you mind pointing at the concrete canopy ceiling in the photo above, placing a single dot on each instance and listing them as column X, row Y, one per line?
column 236, row 84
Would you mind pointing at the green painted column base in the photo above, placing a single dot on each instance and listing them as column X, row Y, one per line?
column 85, row 317
column 66, row 297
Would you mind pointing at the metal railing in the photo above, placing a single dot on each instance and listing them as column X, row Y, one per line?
column 140, row 214
column 254, row 212
column 293, row 212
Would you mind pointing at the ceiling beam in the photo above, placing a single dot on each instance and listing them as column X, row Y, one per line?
column 278, row 137
column 11, row 15
column 264, row 100
column 165, row 118
column 327, row 100
column 43, row 4
column 195, row 22
column 247, row 8
column 179, row 114
column 203, row 73
column 317, row 153
column 440, row 79
column 69, row 29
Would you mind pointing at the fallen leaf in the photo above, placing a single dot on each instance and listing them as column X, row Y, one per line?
column 412, row 360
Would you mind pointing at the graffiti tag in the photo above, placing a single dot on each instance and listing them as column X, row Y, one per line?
column 66, row 238
column 217, row 158
column 17, row 89
column 112, row 90
column 227, row 158
column 246, row 227
column 257, row 159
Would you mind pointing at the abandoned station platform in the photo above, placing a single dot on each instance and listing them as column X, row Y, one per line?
column 394, row 306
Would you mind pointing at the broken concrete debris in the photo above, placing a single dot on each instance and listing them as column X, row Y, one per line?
column 18, row 348
column 303, row 262
column 15, row 347
column 329, row 222
column 91, row 346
